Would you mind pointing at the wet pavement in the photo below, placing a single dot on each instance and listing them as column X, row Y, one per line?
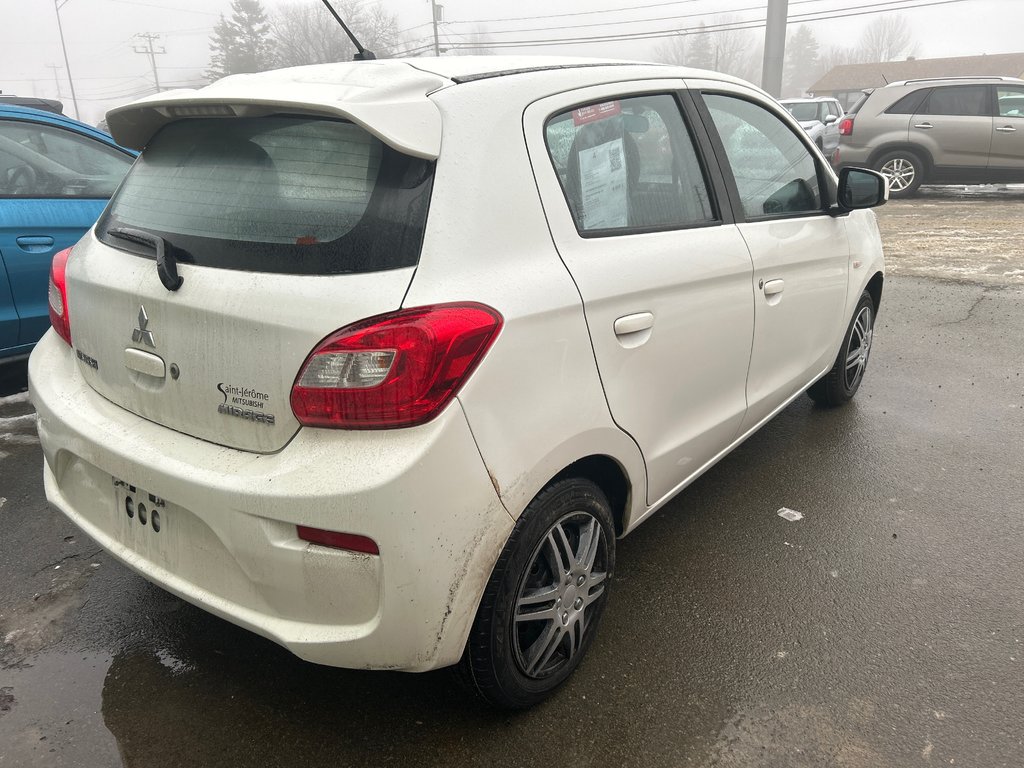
column 884, row 629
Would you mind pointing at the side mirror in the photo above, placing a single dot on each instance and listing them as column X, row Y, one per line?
column 829, row 119
column 861, row 188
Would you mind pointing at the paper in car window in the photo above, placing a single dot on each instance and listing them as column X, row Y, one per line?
column 603, row 186
column 596, row 112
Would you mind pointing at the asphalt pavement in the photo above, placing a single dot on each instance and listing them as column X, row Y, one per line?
column 883, row 629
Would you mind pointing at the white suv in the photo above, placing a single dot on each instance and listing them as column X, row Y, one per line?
column 379, row 359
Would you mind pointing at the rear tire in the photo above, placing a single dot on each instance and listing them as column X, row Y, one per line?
column 904, row 170
column 540, row 609
column 840, row 384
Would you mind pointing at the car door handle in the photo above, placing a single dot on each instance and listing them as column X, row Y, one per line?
column 923, row 125
column 773, row 287
column 1007, row 129
column 640, row 321
column 35, row 243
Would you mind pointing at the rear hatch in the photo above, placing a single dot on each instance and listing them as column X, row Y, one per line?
column 282, row 228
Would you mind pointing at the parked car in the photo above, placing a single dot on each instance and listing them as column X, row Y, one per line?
column 56, row 175
column 378, row 359
column 820, row 118
column 46, row 105
column 954, row 130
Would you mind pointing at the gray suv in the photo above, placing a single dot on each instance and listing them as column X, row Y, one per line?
column 954, row 130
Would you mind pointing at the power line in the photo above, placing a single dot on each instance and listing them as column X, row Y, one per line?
column 808, row 18
column 617, row 23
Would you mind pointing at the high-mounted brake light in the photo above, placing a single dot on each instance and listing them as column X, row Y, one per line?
column 394, row 370
column 846, row 126
column 59, row 295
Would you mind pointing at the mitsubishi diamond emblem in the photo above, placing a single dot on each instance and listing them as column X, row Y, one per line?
column 140, row 335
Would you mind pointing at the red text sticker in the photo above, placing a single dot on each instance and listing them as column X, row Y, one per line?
column 596, row 112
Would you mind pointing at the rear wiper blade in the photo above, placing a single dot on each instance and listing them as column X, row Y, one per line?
column 166, row 263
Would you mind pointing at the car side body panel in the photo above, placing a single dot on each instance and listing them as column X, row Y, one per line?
column 474, row 249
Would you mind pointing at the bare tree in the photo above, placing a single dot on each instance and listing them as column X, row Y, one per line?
column 887, row 38
column 719, row 48
column 307, row 34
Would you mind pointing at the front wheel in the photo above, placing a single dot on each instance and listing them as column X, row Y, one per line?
column 904, row 170
column 541, row 607
column 841, row 383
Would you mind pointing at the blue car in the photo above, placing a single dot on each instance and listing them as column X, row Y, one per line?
column 56, row 176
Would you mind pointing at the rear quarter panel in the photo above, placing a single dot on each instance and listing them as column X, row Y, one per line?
column 536, row 403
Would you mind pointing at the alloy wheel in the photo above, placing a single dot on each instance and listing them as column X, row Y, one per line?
column 559, row 594
column 859, row 348
column 900, row 172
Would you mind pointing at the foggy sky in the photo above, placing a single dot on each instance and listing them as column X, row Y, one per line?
column 107, row 72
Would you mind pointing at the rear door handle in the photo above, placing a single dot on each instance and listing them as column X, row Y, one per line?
column 35, row 243
column 773, row 287
column 1007, row 129
column 640, row 321
column 923, row 125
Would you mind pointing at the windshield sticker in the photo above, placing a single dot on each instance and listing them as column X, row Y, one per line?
column 603, row 186
column 596, row 112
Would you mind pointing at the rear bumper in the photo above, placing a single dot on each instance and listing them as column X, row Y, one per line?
column 227, row 540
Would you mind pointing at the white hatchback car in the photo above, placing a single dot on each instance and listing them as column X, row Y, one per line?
column 379, row 359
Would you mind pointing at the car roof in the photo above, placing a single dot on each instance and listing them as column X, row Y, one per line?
column 958, row 80
column 815, row 100
column 12, row 112
column 390, row 98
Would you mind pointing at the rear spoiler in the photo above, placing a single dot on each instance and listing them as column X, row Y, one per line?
column 389, row 99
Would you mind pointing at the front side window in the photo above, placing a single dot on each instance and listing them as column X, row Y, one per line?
column 964, row 100
column 275, row 194
column 38, row 160
column 775, row 172
column 628, row 164
column 1010, row 102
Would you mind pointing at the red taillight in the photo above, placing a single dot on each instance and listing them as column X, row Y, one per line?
column 394, row 370
column 59, row 296
column 846, row 126
column 350, row 541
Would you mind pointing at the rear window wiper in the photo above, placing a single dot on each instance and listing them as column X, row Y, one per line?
column 166, row 263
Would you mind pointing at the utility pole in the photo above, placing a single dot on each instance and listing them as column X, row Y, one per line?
column 774, row 46
column 151, row 52
column 56, row 80
column 436, row 11
column 57, row 5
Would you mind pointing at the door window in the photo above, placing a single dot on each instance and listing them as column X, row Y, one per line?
column 1010, row 102
column 628, row 164
column 774, row 170
column 968, row 100
column 45, row 161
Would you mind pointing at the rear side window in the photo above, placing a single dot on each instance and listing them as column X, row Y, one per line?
column 910, row 103
column 966, row 100
column 628, row 165
column 275, row 194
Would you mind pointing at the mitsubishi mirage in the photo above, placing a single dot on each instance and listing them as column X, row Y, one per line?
column 378, row 360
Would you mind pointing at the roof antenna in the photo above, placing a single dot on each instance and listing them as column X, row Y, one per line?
column 362, row 54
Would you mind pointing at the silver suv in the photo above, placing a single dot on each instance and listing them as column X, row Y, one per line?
column 953, row 130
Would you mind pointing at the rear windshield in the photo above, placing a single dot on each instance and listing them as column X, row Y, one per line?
column 275, row 194
column 860, row 102
column 803, row 110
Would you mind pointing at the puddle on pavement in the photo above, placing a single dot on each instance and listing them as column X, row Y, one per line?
column 50, row 712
